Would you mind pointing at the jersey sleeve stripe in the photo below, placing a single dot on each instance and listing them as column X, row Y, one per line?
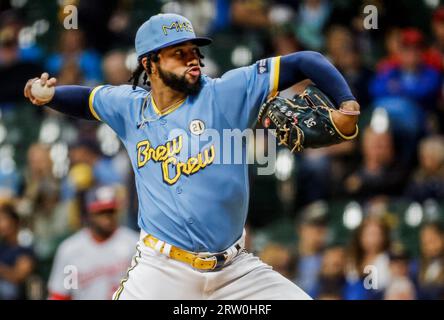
column 91, row 103
column 274, row 76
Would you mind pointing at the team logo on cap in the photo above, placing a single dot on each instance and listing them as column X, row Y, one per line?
column 197, row 127
column 184, row 26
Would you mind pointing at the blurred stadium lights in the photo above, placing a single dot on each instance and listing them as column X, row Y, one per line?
column 6, row 151
column 62, row 3
column 432, row 3
column 353, row 215
column 131, row 60
column 281, row 14
column 171, row 7
column 202, row 13
column 211, row 68
column 59, row 152
column 60, row 160
column 3, row 133
column 49, row 131
column 69, row 134
column 431, row 210
column 284, row 165
column 41, row 26
column 259, row 240
column 241, row 56
column 6, row 192
column 380, row 120
column 7, row 163
column 25, row 237
column 24, row 207
column 27, row 37
column 109, row 143
column 414, row 215
column 14, row 135
column 18, row 3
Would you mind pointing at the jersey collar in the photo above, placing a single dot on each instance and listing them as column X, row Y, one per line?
column 168, row 110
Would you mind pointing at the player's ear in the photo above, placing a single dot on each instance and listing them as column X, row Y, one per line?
column 144, row 62
column 153, row 68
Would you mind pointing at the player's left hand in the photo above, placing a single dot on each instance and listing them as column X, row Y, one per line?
column 346, row 123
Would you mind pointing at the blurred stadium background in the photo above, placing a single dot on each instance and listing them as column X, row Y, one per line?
column 322, row 217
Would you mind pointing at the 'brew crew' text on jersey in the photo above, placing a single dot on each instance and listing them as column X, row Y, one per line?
column 185, row 198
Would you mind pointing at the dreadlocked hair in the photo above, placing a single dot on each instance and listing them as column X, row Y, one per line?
column 154, row 57
column 141, row 69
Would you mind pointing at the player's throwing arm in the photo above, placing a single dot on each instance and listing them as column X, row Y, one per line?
column 41, row 90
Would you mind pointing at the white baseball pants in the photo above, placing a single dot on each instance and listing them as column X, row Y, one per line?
column 154, row 276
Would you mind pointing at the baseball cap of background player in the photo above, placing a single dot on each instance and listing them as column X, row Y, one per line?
column 101, row 198
column 315, row 214
column 412, row 37
column 164, row 30
column 438, row 15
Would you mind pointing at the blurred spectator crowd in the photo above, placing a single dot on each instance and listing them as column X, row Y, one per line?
column 360, row 220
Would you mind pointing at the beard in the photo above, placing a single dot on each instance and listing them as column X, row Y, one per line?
column 180, row 83
column 103, row 233
column 101, row 230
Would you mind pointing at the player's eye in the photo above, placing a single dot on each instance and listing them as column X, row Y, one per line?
column 196, row 51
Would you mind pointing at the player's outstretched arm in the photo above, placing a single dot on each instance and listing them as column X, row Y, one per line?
column 45, row 81
column 312, row 65
column 70, row 100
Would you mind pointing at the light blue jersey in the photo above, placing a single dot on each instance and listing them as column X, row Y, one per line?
column 185, row 197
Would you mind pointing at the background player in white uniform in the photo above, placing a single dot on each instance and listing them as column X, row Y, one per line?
column 90, row 263
column 192, row 211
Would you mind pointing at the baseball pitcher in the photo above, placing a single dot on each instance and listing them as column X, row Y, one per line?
column 192, row 209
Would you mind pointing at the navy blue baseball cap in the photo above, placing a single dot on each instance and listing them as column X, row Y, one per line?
column 164, row 30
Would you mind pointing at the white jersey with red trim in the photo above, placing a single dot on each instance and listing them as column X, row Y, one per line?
column 85, row 269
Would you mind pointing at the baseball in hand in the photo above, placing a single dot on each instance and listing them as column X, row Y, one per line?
column 42, row 93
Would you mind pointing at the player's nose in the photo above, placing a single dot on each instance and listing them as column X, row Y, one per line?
column 193, row 62
column 192, row 59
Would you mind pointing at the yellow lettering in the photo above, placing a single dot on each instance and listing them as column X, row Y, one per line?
column 181, row 168
column 209, row 159
column 165, row 154
column 199, row 161
column 177, row 146
column 142, row 153
column 171, row 27
column 161, row 153
column 177, row 26
column 151, row 153
column 166, row 176
column 192, row 166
